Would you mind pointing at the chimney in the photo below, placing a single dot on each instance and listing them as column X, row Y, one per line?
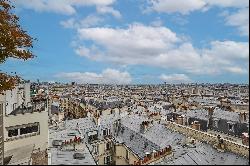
column 180, row 120
column 196, row 125
column 243, row 117
column 143, row 126
column 245, row 139
column 210, row 112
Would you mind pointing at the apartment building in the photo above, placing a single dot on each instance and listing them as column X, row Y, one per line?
column 25, row 124
column 66, row 146
column 127, row 128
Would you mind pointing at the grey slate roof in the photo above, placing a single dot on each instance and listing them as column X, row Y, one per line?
column 230, row 116
column 200, row 114
column 162, row 136
column 156, row 137
column 59, row 157
column 66, row 157
column 85, row 124
column 203, row 154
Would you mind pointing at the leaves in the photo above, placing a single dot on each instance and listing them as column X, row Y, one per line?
column 14, row 42
column 7, row 82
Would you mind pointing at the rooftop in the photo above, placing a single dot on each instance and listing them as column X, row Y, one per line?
column 66, row 132
column 203, row 154
column 230, row 116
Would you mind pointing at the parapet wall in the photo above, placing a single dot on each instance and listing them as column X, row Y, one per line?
column 234, row 147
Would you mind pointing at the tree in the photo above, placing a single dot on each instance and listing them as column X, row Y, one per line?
column 14, row 43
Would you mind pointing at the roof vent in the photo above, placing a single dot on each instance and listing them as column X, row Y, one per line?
column 56, row 143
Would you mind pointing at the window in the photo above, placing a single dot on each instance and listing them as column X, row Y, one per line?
column 12, row 132
column 127, row 155
column 93, row 137
column 108, row 146
column 230, row 127
column 14, row 106
column 145, row 145
column 27, row 130
column 216, row 124
column 107, row 160
column 106, row 132
column 23, row 129
column 96, row 149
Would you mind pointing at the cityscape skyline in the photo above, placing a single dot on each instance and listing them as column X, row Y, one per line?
column 142, row 42
column 124, row 82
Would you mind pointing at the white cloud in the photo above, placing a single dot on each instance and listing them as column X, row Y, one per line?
column 236, row 70
column 187, row 6
column 160, row 47
column 134, row 41
column 228, row 50
column 222, row 55
column 70, row 23
column 240, row 19
column 67, row 7
column 83, row 51
column 109, row 10
column 89, row 21
column 175, row 78
column 108, row 76
column 181, row 6
column 157, row 23
column 228, row 3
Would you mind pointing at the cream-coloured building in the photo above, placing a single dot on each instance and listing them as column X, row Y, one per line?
column 25, row 129
column 25, row 123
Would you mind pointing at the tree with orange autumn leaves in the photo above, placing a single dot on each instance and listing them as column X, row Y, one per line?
column 14, row 43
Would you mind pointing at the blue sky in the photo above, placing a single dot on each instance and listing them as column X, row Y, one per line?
column 142, row 41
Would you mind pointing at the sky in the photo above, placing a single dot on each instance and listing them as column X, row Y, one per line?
column 135, row 41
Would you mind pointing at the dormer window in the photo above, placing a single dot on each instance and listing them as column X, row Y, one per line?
column 96, row 149
column 106, row 132
column 108, row 146
column 216, row 123
column 107, row 160
column 231, row 127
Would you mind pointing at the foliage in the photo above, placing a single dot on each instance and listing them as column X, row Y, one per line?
column 14, row 43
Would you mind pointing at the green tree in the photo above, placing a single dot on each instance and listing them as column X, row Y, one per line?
column 14, row 43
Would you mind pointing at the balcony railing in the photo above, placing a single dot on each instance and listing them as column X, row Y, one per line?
column 36, row 107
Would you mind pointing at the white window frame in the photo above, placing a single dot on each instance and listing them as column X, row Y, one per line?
column 107, row 132
column 216, row 123
column 96, row 149
column 105, row 160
